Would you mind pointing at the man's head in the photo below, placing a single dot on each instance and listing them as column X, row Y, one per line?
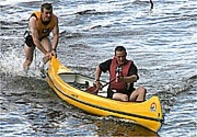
column 46, row 10
column 120, row 54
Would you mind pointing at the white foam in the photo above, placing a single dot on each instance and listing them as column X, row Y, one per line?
column 12, row 63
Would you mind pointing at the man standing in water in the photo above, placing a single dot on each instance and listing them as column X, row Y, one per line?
column 41, row 23
column 125, row 73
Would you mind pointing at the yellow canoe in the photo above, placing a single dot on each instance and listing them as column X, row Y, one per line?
column 71, row 87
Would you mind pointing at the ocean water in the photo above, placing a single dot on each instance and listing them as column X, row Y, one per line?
column 161, row 41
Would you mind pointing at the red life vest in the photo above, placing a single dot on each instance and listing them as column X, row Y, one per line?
column 119, row 86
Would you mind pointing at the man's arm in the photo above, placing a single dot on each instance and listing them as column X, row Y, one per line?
column 133, row 74
column 97, row 77
column 34, row 33
column 55, row 32
column 130, row 79
column 98, row 73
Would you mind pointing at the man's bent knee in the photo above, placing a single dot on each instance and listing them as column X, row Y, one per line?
column 27, row 62
column 125, row 98
column 142, row 90
column 121, row 97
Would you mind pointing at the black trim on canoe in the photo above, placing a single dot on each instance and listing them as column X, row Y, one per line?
column 110, row 110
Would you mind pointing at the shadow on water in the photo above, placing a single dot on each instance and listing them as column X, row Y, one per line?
column 29, row 102
column 110, row 126
column 41, row 112
column 46, row 114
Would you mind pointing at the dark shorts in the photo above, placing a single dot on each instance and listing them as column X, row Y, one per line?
column 110, row 93
column 29, row 40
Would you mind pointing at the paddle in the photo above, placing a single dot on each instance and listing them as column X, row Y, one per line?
column 93, row 89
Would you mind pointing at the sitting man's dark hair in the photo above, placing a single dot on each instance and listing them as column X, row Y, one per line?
column 120, row 48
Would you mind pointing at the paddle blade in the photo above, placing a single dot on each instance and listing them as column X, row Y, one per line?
column 92, row 90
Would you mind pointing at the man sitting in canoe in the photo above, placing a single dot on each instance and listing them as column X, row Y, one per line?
column 123, row 74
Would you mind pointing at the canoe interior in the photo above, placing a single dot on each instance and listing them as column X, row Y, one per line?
column 81, row 82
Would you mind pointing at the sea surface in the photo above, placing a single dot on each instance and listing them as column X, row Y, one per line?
column 162, row 42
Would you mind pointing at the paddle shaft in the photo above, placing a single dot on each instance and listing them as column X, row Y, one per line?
column 108, row 82
column 93, row 89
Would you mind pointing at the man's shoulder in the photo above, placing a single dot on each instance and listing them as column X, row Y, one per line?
column 108, row 61
column 55, row 17
column 33, row 19
column 35, row 15
column 36, row 12
column 130, row 61
column 132, row 64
